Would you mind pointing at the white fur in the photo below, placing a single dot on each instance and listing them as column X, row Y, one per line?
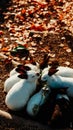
column 9, row 82
column 56, row 81
column 13, row 71
column 62, row 71
column 34, row 67
column 65, row 71
column 36, row 101
column 20, row 93
column 14, row 76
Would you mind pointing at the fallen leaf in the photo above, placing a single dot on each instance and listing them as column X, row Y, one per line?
column 5, row 49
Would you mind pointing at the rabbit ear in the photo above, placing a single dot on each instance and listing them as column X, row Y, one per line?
column 18, row 66
column 54, row 64
column 20, row 70
column 32, row 60
column 27, row 68
column 52, row 71
column 21, row 66
column 44, row 63
column 23, row 76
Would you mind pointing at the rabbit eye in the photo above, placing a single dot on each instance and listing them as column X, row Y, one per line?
column 44, row 78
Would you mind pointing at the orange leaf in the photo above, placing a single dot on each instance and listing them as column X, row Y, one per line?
column 12, row 30
column 43, row 5
column 53, row 2
column 37, row 28
column 5, row 49
column 60, row 16
column 20, row 17
column 30, row 12
column 25, row 45
column 23, row 11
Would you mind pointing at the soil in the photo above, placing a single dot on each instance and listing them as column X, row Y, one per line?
column 58, row 44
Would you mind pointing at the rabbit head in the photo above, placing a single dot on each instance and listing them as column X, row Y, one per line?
column 48, row 72
column 29, row 75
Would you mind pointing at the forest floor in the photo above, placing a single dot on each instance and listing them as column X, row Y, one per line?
column 44, row 27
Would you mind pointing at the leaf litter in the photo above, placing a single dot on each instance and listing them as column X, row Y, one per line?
column 43, row 26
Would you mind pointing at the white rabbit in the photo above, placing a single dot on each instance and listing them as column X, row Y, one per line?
column 56, row 81
column 26, row 67
column 14, row 75
column 13, row 71
column 62, row 71
column 36, row 101
column 65, row 71
column 9, row 82
column 20, row 93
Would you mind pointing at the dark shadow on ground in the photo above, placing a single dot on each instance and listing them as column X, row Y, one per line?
column 3, row 6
